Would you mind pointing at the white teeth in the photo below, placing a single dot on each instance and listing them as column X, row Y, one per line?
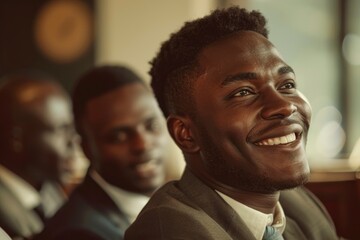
column 283, row 140
column 278, row 140
column 291, row 137
column 146, row 166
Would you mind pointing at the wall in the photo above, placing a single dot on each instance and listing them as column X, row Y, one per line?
column 130, row 32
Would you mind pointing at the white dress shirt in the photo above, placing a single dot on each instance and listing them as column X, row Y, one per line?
column 3, row 235
column 130, row 203
column 28, row 196
column 50, row 196
column 255, row 220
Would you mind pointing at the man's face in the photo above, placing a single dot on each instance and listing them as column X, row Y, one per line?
column 251, row 121
column 126, row 131
column 50, row 139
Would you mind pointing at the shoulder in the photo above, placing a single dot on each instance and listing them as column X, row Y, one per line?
column 171, row 214
column 306, row 215
column 169, row 199
column 167, row 222
column 80, row 216
column 300, row 197
column 78, row 234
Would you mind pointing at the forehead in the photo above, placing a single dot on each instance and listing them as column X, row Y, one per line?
column 243, row 51
column 54, row 110
column 122, row 105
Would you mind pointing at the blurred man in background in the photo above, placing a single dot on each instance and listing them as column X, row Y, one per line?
column 37, row 144
column 124, row 136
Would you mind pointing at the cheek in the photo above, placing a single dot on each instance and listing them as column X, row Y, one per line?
column 161, row 140
column 236, row 134
column 304, row 107
column 230, row 137
column 307, row 111
column 55, row 145
column 114, row 155
column 239, row 127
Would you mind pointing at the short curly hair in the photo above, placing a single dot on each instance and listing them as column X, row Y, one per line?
column 175, row 66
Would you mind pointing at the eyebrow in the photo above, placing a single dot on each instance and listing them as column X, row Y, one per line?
column 285, row 70
column 238, row 77
column 251, row 75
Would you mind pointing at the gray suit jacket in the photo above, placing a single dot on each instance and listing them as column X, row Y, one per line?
column 188, row 209
column 15, row 219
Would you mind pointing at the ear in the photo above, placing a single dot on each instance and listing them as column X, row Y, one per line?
column 87, row 144
column 89, row 149
column 181, row 131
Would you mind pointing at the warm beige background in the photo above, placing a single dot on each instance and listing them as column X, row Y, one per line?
column 123, row 26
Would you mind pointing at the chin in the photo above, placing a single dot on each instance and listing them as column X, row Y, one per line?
column 299, row 180
column 148, row 186
column 268, row 184
column 146, row 190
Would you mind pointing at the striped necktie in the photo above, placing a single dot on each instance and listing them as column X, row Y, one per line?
column 272, row 234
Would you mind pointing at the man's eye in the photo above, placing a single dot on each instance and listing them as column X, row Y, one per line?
column 288, row 85
column 118, row 137
column 242, row 93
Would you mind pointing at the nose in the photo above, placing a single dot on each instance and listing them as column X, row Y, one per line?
column 140, row 141
column 276, row 105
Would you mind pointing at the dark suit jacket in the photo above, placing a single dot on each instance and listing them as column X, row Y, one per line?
column 15, row 219
column 188, row 209
column 88, row 214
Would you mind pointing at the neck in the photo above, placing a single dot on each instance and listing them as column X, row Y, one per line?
column 263, row 202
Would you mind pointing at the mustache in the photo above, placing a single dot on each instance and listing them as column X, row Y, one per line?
column 302, row 121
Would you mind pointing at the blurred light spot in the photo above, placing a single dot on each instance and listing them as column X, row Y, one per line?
column 331, row 139
column 329, row 113
column 331, row 136
column 351, row 49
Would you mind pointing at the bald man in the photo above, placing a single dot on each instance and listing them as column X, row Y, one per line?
column 36, row 147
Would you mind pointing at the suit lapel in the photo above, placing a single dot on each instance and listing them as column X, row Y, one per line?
column 304, row 218
column 211, row 203
column 101, row 201
column 292, row 230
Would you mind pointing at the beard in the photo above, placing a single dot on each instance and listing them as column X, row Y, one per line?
column 246, row 178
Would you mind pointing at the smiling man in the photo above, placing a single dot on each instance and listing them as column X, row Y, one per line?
column 233, row 108
column 124, row 137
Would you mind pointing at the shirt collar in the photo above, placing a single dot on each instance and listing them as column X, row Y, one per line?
column 279, row 218
column 3, row 235
column 52, row 197
column 23, row 191
column 130, row 203
column 255, row 220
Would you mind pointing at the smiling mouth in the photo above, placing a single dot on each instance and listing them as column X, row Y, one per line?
column 278, row 140
column 147, row 169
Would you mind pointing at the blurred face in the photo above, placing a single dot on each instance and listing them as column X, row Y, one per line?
column 251, row 121
column 50, row 137
column 125, row 137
